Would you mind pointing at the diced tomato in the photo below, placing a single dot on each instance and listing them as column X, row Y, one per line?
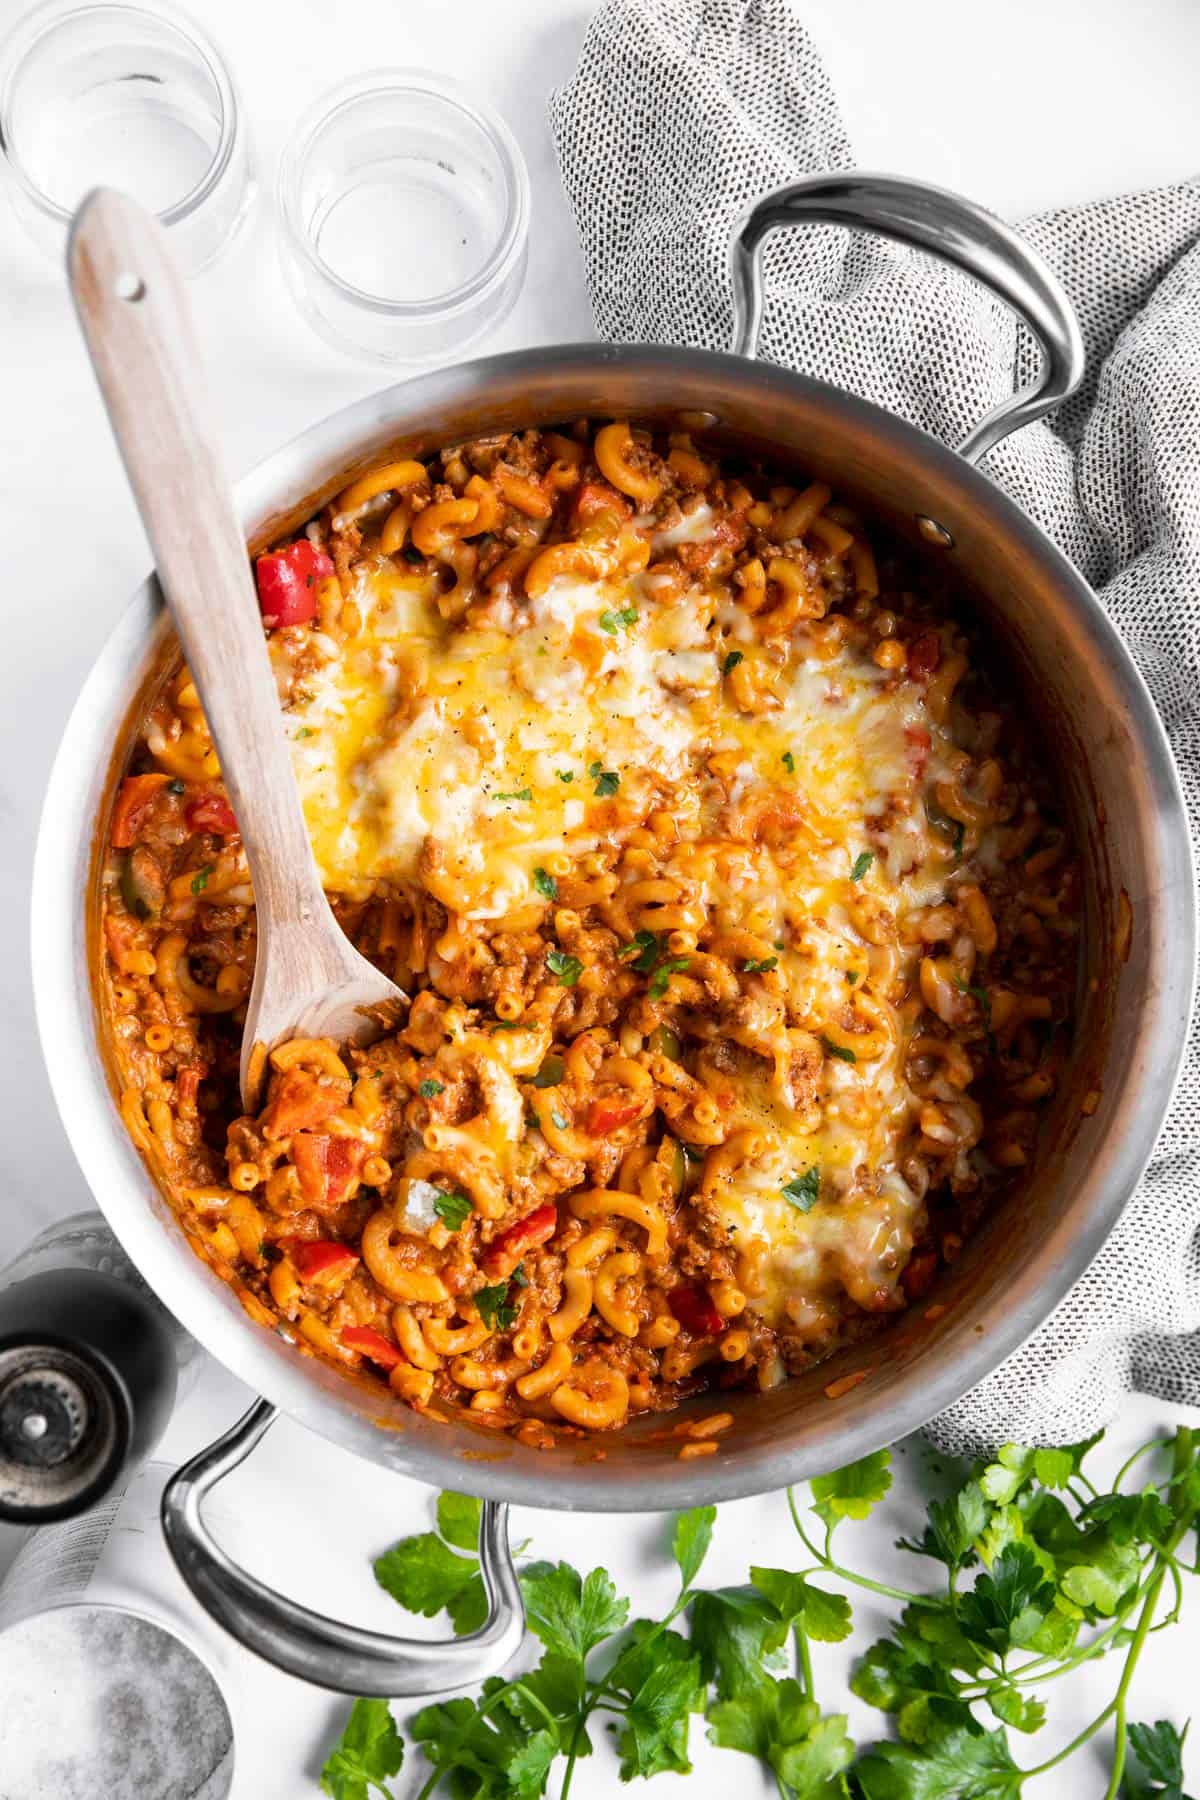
column 210, row 812
column 326, row 1166
column 324, row 1260
column 299, row 1101
column 920, row 744
column 924, row 655
column 288, row 581
column 918, row 1275
column 695, row 1311
column 505, row 1252
column 609, row 1115
column 134, row 799
column 596, row 497
column 373, row 1344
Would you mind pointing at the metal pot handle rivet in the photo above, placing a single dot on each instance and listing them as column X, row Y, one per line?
column 948, row 227
column 344, row 1658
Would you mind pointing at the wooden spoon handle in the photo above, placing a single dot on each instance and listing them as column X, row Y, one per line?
column 137, row 322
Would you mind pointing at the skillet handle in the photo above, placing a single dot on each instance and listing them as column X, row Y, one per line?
column 331, row 1655
column 947, row 226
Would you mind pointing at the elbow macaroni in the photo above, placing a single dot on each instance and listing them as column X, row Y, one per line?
column 740, row 929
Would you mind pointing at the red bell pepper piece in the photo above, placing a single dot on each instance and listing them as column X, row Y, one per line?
column 210, row 812
column 372, row 1343
column 322, row 1260
column 299, row 1101
column 326, row 1166
column 134, row 799
column 924, row 655
column 609, row 1115
column 695, row 1311
column 505, row 1252
column 287, row 583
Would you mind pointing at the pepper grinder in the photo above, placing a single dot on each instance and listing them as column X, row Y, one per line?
column 91, row 1364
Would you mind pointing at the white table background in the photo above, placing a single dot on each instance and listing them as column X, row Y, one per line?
column 1022, row 107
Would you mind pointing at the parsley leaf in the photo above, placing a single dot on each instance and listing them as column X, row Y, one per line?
column 568, row 969
column 660, row 979
column 607, row 781
column 690, row 1541
column 545, row 884
column 641, row 953
column 494, row 1307
column 789, row 762
column 732, row 660
column 957, row 1764
column 759, row 965
column 565, row 775
column 851, row 1492
column 841, row 1051
column 200, row 879
column 426, row 1576
column 369, row 1750
column 803, row 1190
column 517, row 794
column 620, row 619
column 453, row 1209
column 862, row 863
column 571, row 1613
column 954, row 829
column 1158, row 1750
column 430, row 1088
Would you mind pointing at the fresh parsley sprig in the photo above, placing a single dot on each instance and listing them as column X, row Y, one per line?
column 1040, row 1573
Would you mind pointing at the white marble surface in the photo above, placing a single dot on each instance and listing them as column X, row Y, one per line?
column 1023, row 107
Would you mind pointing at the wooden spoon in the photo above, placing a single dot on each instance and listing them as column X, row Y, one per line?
column 308, row 980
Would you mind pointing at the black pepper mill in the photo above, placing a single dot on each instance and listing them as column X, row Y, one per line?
column 90, row 1366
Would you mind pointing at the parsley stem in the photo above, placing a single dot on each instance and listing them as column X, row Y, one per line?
column 834, row 1568
column 1157, row 1443
column 804, row 1659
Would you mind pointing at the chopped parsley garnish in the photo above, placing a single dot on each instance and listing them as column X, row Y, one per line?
column 984, row 998
column 494, row 1308
column 518, row 1277
column 732, row 661
column 567, row 968
column 838, row 1050
column 620, row 619
column 517, row 794
column 200, row 879
column 607, row 781
column 545, row 884
column 506, row 1024
column 663, row 974
column 428, row 1089
column 862, row 863
column 304, row 731
column 852, row 976
column 803, row 1190
column 642, row 952
column 177, row 786
column 954, row 829
column 453, row 1209
column 565, row 774
column 761, row 965
column 789, row 762
column 551, row 1072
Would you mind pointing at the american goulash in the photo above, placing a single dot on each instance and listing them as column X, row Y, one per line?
column 739, row 932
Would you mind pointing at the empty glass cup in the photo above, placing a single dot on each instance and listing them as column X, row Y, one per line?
column 121, row 96
column 404, row 203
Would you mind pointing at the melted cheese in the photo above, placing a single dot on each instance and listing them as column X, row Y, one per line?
column 475, row 751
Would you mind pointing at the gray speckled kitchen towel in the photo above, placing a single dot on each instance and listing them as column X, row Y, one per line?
column 683, row 111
